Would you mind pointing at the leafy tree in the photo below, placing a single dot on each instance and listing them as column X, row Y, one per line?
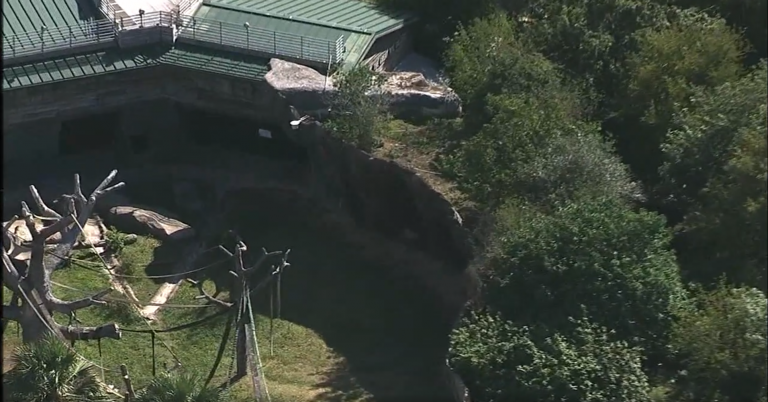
column 438, row 20
column 722, row 341
column 534, row 150
column 671, row 62
column 48, row 371
column 746, row 15
column 487, row 58
column 500, row 361
column 182, row 387
column 358, row 110
column 716, row 170
column 707, row 133
column 591, row 39
column 593, row 258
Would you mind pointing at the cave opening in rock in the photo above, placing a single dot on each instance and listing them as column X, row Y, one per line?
column 88, row 134
column 209, row 129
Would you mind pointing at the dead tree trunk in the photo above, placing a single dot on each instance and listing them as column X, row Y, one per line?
column 32, row 283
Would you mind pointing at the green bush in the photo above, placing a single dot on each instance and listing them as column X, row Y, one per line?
column 531, row 149
column 357, row 117
column 594, row 258
column 721, row 340
column 503, row 362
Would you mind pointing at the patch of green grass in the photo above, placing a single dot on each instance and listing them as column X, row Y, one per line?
column 293, row 372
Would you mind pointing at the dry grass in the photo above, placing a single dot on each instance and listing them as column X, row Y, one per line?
column 415, row 147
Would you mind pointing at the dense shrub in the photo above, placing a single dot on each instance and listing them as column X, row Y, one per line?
column 503, row 362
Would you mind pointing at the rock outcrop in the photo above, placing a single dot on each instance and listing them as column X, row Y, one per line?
column 143, row 221
column 384, row 197
column 408, row 95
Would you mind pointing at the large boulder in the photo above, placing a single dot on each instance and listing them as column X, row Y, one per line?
column 303, row 87
column 408, row 94
column 146, row 222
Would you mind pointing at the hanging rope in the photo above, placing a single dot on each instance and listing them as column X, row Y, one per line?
column 271, row 322
column 72, row 320
column 262, row 381
column 274, row 311
column 101, row 359
column 238, row 322
column 154, row 357
column 222, row 347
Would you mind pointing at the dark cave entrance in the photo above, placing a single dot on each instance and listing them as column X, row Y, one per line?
column 209, row 129
column 95, row 133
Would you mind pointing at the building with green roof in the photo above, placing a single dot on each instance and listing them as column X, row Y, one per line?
column 69, row 59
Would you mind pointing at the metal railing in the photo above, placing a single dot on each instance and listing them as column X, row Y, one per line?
column 147, row 20
column 58, row 38
column 251, row 38
column 202, row 31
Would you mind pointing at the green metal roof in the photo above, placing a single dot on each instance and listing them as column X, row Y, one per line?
column 239, row 17
column 216, row 61
column 359, row 23
column 28, row 16
column 347, row 15
column 115, row 60
column 66, row 21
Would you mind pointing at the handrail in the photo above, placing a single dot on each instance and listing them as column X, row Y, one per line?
column 204, row 31
column 58, row 38
column 260, row 40
column 106, row 8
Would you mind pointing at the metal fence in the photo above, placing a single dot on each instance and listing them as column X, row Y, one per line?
column 255, row 39
column 201, row 31
column 58, row 38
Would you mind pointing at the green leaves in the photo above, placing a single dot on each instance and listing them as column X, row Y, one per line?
column 508, row 362
column 722, row 342
column 48, row 371
column 595, row 259
column 715, row 170
column 358, row 113
column 532, row 149
column 182, row 387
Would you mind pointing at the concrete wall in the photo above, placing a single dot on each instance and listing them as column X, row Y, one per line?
column 82, row 97
column 388, row 51
column 146, row 100
column 39, row 139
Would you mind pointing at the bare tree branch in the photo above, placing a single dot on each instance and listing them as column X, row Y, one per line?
column 260, row 261
column 41, row 206
column 206, row 296
column 110, row 330
column 66, row 307
column 36, row 285
column 7, row 235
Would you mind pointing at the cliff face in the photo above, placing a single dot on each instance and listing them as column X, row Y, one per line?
column 383, row 197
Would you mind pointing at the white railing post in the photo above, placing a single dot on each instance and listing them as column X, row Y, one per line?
column 42, row 38
column 221, row 33
column 247, row 27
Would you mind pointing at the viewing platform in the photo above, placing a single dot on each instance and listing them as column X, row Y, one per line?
column 38, row 30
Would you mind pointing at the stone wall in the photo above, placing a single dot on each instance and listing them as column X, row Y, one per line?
column 76, row 98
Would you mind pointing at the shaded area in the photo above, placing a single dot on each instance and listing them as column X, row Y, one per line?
column 88, row 134
column 239, row 135
column 354, row 293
